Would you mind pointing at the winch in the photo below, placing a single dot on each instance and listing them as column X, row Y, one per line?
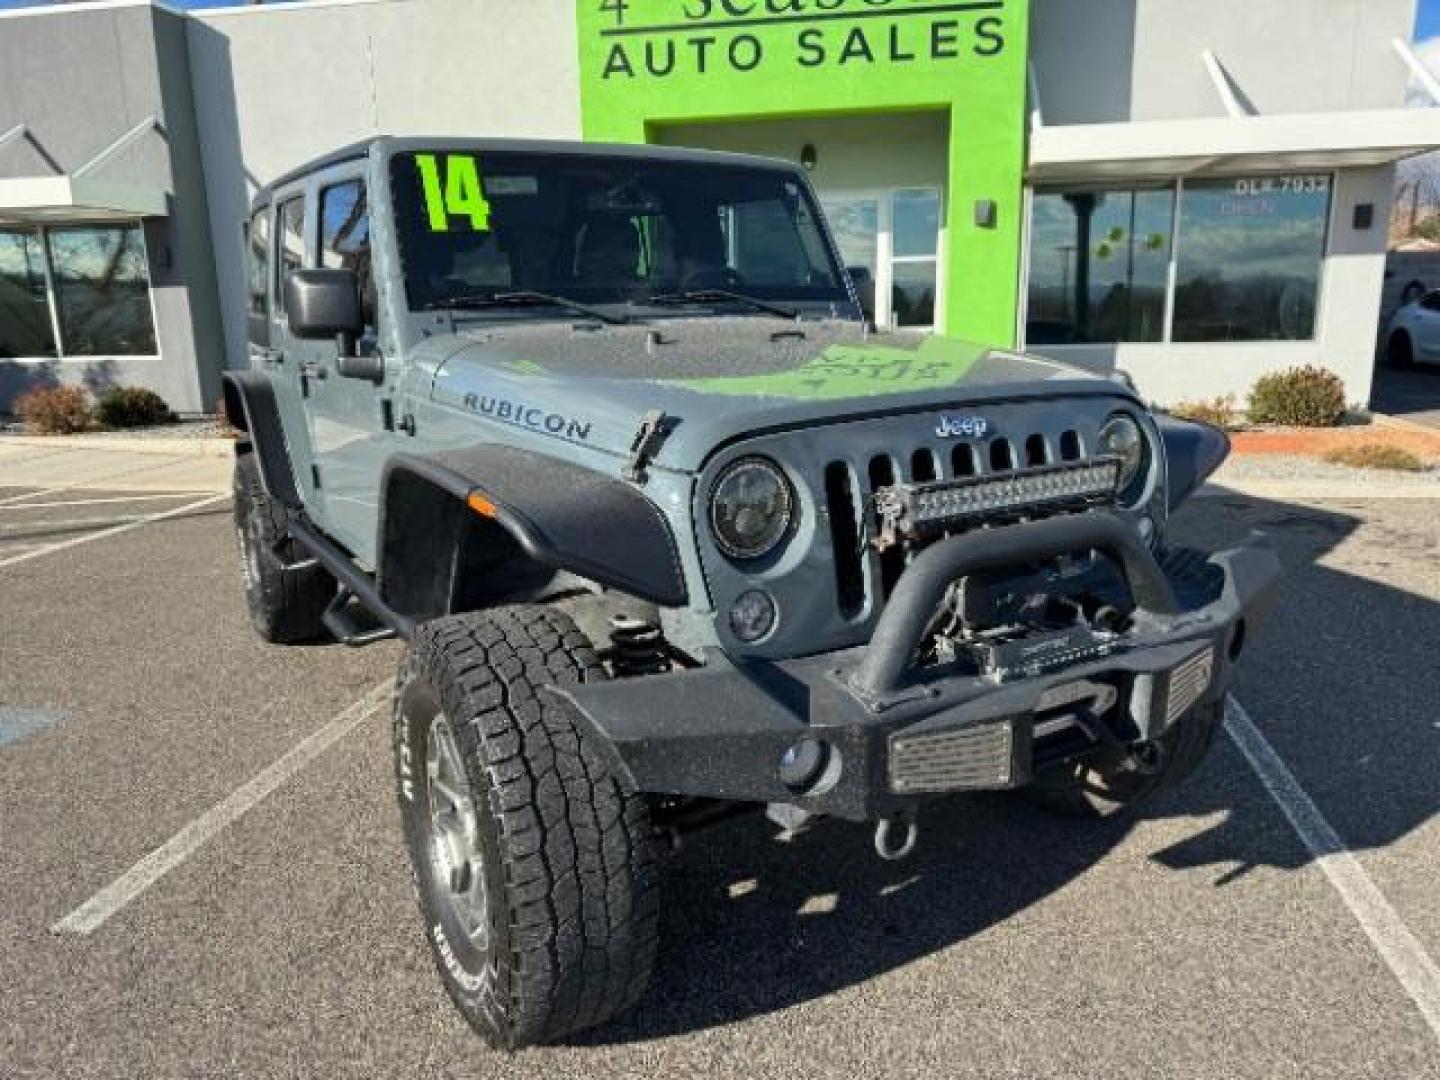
column 1013, row 626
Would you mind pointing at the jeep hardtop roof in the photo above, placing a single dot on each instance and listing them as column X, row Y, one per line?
column 395, row 144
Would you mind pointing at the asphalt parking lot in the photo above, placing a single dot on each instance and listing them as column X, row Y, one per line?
column 1202, row 939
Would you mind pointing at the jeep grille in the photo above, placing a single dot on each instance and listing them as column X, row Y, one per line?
column 850, row 487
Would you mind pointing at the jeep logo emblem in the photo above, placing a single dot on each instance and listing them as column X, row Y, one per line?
column 953, row 425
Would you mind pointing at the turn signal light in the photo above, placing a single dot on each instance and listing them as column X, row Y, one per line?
column 481, row 505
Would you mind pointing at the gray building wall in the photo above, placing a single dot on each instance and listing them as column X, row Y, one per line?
column 79, row 80
column 1109, row 61
column 278, row 86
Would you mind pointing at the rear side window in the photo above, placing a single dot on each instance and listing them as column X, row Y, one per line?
column 259, row 260
column 345, row 239
column 290, row 245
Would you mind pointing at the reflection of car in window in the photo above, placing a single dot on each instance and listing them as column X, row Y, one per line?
column 1413, row 334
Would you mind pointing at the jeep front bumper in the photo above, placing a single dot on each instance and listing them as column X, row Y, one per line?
column 890, row 734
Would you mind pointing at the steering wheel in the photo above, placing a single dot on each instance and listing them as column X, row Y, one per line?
column 712, row 277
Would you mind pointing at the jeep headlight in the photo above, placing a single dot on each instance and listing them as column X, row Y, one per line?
column 1121, row 438
column 751, row 507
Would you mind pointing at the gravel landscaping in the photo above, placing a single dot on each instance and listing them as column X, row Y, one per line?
column 203, row 428
column 1285, row 467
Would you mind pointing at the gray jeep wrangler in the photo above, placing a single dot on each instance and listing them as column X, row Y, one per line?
column 673, row 535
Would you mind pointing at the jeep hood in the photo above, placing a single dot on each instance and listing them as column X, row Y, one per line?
column 718, row 379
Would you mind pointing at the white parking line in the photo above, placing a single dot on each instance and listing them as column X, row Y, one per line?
column 152, row 497
column 129, row 526
column 92, row 914
column 39, row 493
column 1397, row 946
column 71, row 523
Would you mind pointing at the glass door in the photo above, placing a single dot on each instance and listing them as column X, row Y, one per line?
column 855, row 223
column 890, row 241
column 914, row 258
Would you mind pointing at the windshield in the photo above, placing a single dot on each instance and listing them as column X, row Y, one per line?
column 603, row 230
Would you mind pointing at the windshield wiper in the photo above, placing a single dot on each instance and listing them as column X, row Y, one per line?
column 702, row 296
column 525, row 298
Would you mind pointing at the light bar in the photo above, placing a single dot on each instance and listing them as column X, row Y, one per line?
column 907, row 509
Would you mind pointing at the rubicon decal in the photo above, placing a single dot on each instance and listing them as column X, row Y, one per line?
column 523, row 414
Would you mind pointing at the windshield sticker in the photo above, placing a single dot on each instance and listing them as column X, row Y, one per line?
column 453, row 192
column 852, row 371
column 512, row 185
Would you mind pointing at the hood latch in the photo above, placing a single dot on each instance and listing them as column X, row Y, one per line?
column 655, row 428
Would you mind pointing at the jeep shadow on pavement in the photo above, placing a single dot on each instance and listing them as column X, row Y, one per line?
column 675, row 536
column 1339, row 676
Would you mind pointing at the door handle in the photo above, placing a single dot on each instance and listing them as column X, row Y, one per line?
column 313, row 369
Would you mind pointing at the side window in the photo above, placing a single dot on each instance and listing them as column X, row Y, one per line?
column 345, row 239
column 259, row 261
column 290, row 245
column 1431, row 302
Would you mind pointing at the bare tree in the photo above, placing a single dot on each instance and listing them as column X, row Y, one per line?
column 1417, row 200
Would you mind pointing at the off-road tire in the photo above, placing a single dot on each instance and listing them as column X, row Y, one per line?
column 1400, row 352
column 285, row 600
column 566, row 853
column 1092, row 789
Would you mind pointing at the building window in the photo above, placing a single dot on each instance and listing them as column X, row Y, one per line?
column 259, row 262
column 1246, row 261
column 89, row 282
column 345, row 239
column 1248, row 266
column 25, row 326
column 102, row 290
column 1099, row 263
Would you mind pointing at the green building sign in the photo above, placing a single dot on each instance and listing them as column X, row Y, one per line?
column 646, row 64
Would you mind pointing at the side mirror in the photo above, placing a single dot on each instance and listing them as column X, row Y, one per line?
column 322, row 303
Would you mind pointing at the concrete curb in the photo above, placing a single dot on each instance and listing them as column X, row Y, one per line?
column 121, row 444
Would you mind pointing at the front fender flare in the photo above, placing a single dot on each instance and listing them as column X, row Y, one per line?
column 1193, row 452
column 250, row 405
column 561, row 515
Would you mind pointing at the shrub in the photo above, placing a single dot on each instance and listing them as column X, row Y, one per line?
column 1299, row 397
column 1219, row 412
column 1376, row 456
column 131, row 407
column 61, row 410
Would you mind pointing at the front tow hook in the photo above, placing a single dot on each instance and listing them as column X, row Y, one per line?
column 909, row 831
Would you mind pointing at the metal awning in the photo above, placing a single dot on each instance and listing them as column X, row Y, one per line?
column 78, row 195
column 1230, row 144
column 31, row 200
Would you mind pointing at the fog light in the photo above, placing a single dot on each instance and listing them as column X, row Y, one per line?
column 801, row 765
column 752, row 616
